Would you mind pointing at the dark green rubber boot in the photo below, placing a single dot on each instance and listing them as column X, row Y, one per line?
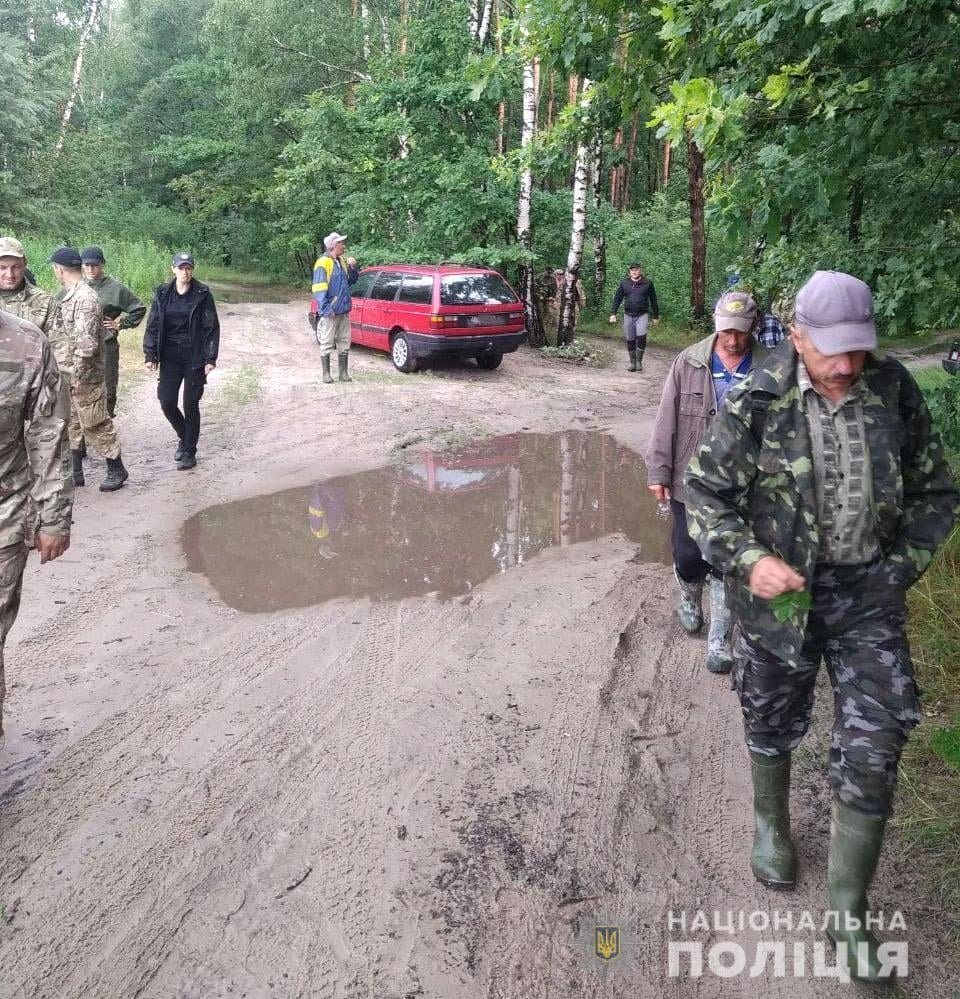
column 773, row 860
column 632, row 351
column 325, row 366
column 342, row 361
column 855, row 842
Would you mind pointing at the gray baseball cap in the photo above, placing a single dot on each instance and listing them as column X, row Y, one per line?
column 735, row 310
column 836, row 311
column 331, row 241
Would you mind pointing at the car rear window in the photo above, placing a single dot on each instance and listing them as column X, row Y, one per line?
column 386, row 286
column 475, row 289
column 417, row 288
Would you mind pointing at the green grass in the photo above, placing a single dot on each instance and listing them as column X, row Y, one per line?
column 139, row 264
column 241, row 386
column 668, row 333
column 929, row 810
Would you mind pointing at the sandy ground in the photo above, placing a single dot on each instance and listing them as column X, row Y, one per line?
column 438, row 794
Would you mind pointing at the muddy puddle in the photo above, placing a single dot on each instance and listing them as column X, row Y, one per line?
column 434, row 523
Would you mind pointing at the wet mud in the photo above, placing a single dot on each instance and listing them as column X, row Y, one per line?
column 437, row 522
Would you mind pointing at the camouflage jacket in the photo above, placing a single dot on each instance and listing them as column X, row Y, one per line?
column 42, row 309
column 118, row 300
column 35, row 471
column 751, row 489
column 83, row 318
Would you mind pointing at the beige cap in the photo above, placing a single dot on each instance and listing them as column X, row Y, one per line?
column 10, row 247
column 735, row 310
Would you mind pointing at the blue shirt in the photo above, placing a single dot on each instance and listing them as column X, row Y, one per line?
column 723, row 379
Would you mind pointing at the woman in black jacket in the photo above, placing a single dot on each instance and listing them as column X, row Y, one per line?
column 182, row 338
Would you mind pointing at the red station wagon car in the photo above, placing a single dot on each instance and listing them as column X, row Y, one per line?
column 418, row 313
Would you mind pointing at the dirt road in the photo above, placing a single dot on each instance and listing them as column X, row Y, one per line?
column 362, row 708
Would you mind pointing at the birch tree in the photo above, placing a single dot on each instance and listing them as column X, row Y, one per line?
column 524, row 215
column 92, row 15
column 578, row 228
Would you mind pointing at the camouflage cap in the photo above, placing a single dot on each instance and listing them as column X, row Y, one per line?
column 735, row 310
column 10, row 247
column 835, row 310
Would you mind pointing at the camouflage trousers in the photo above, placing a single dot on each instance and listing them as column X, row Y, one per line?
column 12, row 561
column 111, row 371
column 857, row 625
column 90, row 421
column 334, row 334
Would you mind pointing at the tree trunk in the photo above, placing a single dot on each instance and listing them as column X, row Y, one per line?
column 856, row 211
column 502, row 106
column 617, row 172
column 698, row 234
column 578, row 228
column 665, row 172
column 85, row 34
column 484, row 28
column 524, row 223
column 631, row 156
column 599, row 237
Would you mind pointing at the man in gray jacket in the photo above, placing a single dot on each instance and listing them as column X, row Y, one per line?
column 696, row 386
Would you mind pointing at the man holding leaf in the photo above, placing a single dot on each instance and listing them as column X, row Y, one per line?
column 821, row 492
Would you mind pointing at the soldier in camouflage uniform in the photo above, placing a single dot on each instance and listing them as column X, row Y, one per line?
column 822, row 492
column 22, row 298
column 122, row 310
column 83, row 320
column 36, row 495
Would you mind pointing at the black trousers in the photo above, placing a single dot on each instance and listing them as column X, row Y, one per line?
column 691, row 567
column 173, row 374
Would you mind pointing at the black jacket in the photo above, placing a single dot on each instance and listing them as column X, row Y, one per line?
column 638, row 297
column 204, row 326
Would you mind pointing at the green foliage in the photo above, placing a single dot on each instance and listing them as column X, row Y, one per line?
column 944, row 403
column 791, row 605
column 578, row 351
column 140, row 265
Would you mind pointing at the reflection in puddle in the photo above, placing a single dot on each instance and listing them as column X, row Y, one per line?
column 438, row 522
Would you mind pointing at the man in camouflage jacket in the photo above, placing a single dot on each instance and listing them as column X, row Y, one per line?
column 83, row 319
column 822, row 492
column 22, row 298
column 36, row 492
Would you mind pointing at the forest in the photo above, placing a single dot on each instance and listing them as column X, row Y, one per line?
column 701, row 137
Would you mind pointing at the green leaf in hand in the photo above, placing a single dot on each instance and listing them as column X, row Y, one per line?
column 791, row 604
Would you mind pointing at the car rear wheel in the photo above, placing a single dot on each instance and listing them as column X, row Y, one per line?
column 489, row 361
column 401, row 354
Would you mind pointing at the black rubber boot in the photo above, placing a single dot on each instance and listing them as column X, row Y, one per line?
column 83, row 448
column 180, row 452
column 342, row 360
column 116, row 475
column 640, row 351
column 855, row 843
column 773, row 860
column 78, row 479
column 325, row 365
column 632, row 351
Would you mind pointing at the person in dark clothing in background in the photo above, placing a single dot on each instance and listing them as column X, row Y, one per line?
column 639, row 306
column 182, row 338
column 122, row 310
